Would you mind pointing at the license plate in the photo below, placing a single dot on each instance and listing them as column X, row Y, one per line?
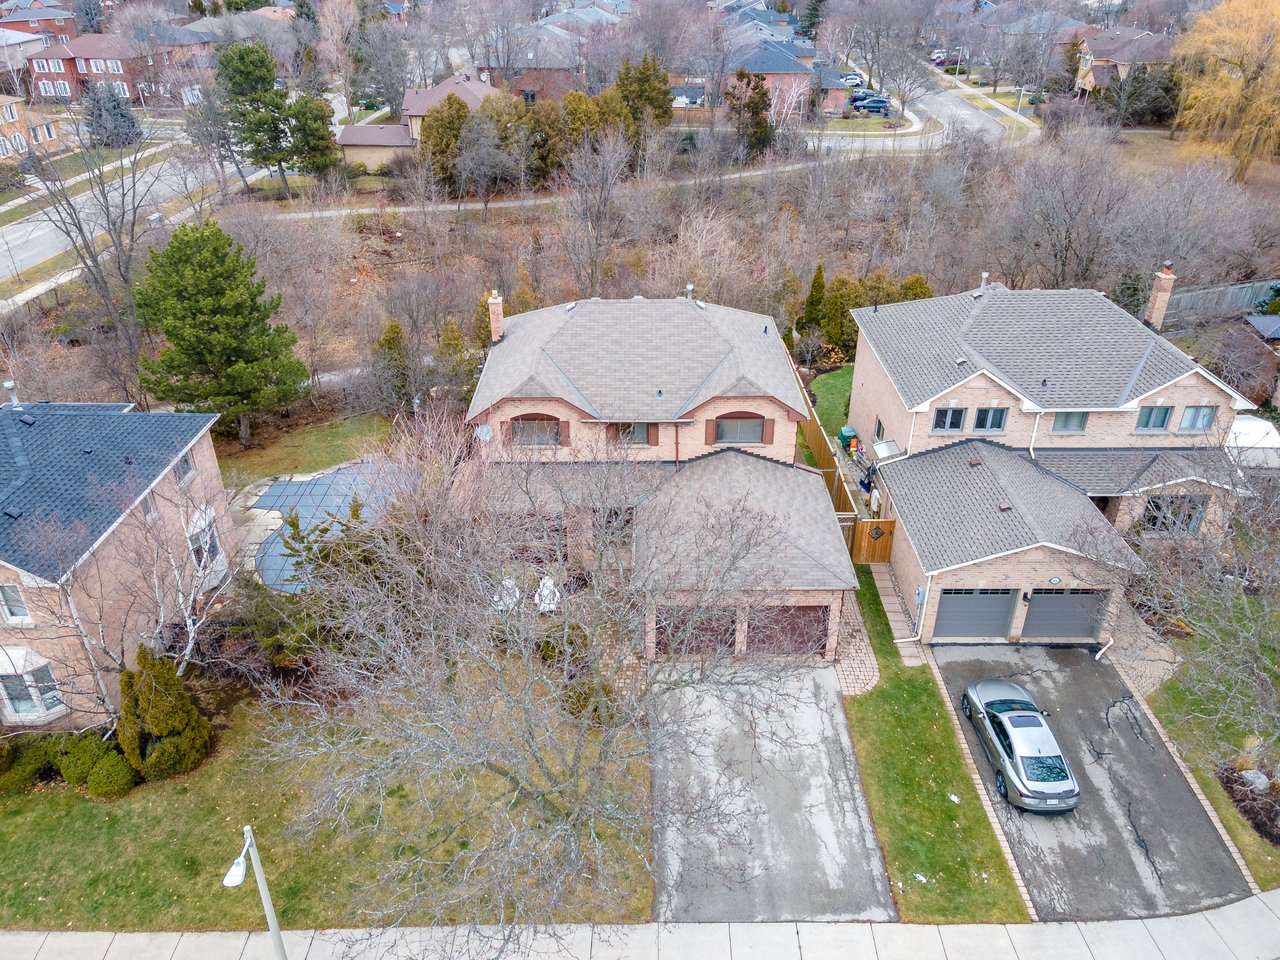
column 1051, row 803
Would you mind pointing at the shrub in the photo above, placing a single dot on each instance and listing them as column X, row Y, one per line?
column 155, row 709
column 76, row 756
column 357, row 170
column 32, row 760
column 383, row 170
column 561, row 646
column 593, row 699
column 11, row 177
column 111, row 777
column 6, row 754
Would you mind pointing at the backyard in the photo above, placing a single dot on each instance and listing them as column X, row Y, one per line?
column 944, row 863
column 832, row 405
column 304, row 450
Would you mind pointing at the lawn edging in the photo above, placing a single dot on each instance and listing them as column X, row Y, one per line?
column 923, row 832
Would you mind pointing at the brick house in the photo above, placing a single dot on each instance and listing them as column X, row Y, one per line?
column 22, row 128
column 538, row 62
column 374, row 144
column 1109, row 55
column 56, row 23
column 701, row 401
column 139, row 70
column 1017, row 437
column 110, row 520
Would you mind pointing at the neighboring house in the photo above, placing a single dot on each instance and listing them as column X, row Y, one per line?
column 1109, row 56
column 1267, row 326
column 375, row 144
column 15, row 47
column 22, row 128
column 538, row 62
column 788, row 79
column 141, row 71
column 1016, row 435
column 55, row 23
column 107, row 519
column 702, row 401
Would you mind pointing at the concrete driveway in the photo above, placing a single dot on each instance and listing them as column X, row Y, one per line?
column 1139, row 844
column 787, row 780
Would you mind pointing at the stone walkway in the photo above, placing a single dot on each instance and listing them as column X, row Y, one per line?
column 856, row 666
column 912, row 653
column 1246, row 930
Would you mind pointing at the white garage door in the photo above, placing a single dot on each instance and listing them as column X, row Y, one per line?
column 1063, row 613
column 974, row 613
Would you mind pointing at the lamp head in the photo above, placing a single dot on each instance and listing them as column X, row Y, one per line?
column 235, row 876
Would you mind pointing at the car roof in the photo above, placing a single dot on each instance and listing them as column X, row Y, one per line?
column 1029, row 740
column 996, row 688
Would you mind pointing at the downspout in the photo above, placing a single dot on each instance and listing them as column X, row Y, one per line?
column 88, row 652
column 924, row 608
column 677, row 426
column 1034, row 430
column 911, row 437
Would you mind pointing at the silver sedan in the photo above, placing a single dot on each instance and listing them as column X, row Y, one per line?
column 1031, row 771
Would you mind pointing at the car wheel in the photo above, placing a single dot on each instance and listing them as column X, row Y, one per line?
column 1002, row 788
column 966, row 707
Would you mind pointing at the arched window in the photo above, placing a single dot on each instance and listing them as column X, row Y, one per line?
column 739, row 427
column 538, row 430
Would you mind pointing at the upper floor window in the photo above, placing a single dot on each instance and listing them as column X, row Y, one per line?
column 205, row 548
column 97, row 66
column 14, row 607
column 1180, row 513
column 57, row 66
column 80, row 64
column 28, row 691
column 634, row 434
column 1154, row 418
column 115, row 66
column 948, row 419
column 40, row 65
column 10, row 112
column 879, row 434
column 36, row 134
column 740, row 430
column 148, row 507
column 1072, row 422
column 536, row 432
column 1198, row 418
column 989, row 419
column 185, row 467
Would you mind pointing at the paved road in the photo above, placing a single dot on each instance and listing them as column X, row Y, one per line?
column 807, row 850
column 954, row 110
column 1139, row 844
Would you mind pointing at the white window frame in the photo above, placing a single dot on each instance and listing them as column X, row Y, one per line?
column 19, row 141
column 35, row 134
column 10, row 112
column 115, row 66
column 19, row 663
column 1064, row 420
column 97, row 66
column 147, row 506
column 185, row 468
column 57, row 66
column 120, row 88
column 5, row 149
column 63, row 38
column 61, row 89
column 40, row 65
column 80, row 65
column 8, row 605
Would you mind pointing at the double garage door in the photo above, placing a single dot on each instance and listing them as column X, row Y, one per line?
column 781, row 629
column 978, row 613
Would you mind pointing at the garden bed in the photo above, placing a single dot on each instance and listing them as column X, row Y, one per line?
column 1262, row 810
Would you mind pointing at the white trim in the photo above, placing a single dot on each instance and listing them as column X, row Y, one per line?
column 1239, row 403
column 1031, row 546
column 1028, row 405
column 1166, row 483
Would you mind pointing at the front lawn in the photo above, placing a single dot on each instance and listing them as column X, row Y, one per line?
column 945, row 865
column 833, row 398
column 305, row 450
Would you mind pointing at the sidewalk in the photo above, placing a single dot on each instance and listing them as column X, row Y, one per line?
column 34, row 182
column 1246, row 930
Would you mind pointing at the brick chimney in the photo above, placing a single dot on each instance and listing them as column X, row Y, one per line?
column 1160, row 291
column 495, row 316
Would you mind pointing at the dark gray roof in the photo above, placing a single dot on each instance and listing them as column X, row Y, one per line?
column 1062, row 349
column 637, row 360
column 1112, row 472
column 768, row 58
column 68, row 472
column 957, row 512
column 1267, row 324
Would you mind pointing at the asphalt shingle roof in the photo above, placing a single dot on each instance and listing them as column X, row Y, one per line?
column 1113, row 472
column 952, row 507
column 637, row 360
column 68, row 472
column 1267, row 324
column 1063, row 349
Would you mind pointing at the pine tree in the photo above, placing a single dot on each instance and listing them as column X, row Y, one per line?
column 201, row 293
column 645, row 89
column 108, row 118
column 391, row 366
column 312, row 145
column 811, row 319
column 440, row 135
column 749, row 103
column 811, row 17
column 838, row 326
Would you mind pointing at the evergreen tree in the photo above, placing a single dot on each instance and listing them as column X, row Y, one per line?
column 108, row 118
column 201, row 293
column 814, row 303
column 581, row 118
column 312, row 146
column 391, row 366
column 1131, row 291
column 440, row 135
column 749, row 102
column 811, row 17
column 88, row 15
column 839, row 329
column 160, row 731
column 645, row 89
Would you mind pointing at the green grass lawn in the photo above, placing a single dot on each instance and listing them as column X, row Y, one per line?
column 306, row 450
column 861, row 125
column 833, row 398
column 911, row 765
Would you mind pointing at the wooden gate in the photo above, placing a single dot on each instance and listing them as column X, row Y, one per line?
column 872, row 540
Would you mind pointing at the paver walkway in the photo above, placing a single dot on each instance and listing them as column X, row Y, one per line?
column 899, row 623
column 1246, row 930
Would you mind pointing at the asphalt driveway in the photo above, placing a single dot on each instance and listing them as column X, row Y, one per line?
column 1139, row 844
column 789, row 784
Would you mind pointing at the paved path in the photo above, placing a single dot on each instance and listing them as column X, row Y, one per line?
column 1246, row 930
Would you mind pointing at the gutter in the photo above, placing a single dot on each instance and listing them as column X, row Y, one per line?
column 1034, row 430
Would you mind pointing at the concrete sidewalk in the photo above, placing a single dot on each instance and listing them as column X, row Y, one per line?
column 1246, row 930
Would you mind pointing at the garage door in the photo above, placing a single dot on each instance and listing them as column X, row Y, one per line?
column 974, row 613
column 695, row 633
column 788, row 629
column 1063, row 613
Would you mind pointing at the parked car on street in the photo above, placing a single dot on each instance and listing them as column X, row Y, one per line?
column 1031, row 771
column 853, row 78
column 857, row 96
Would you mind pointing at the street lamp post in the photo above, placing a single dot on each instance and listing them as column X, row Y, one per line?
column 235, row 877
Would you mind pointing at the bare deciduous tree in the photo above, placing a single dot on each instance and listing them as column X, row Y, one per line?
column 591, row 218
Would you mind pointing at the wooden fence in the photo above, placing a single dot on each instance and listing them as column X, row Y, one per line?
column 868, row 541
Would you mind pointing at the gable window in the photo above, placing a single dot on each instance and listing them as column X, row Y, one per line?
column 10, row 112
column 1197, row 419
column 1176, row 514
column 14, row 607
column 28, row 691
column 148, row 507
column 1072, row 422
column 740, row 430
column 1154, row 418
column 184, row 468
column 948, row 419
column 989, row 419
column 536, row 431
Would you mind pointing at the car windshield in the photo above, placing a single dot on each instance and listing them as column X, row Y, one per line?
column 1008, row 706
column 1045, row 769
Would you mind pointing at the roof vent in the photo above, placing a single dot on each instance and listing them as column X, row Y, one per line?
column 766, row 329
column 977, row 294
column 13, row 513
column 637, row 297
column 975, row 462
column 88, row 449
column 961, row 361
column 1004, row 506
column 1044, row 382
column 569, row 308
column 659, row 393
column 128, row 458
column 27, row 419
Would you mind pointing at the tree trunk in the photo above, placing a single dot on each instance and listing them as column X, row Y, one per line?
column 242, row 422
column 284, row 180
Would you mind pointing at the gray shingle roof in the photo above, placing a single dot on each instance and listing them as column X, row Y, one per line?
column 1267, row 324
column 70, row 471
column 1063, row 349
column 952, row 509
column 637, row 360
column 1111, row 472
